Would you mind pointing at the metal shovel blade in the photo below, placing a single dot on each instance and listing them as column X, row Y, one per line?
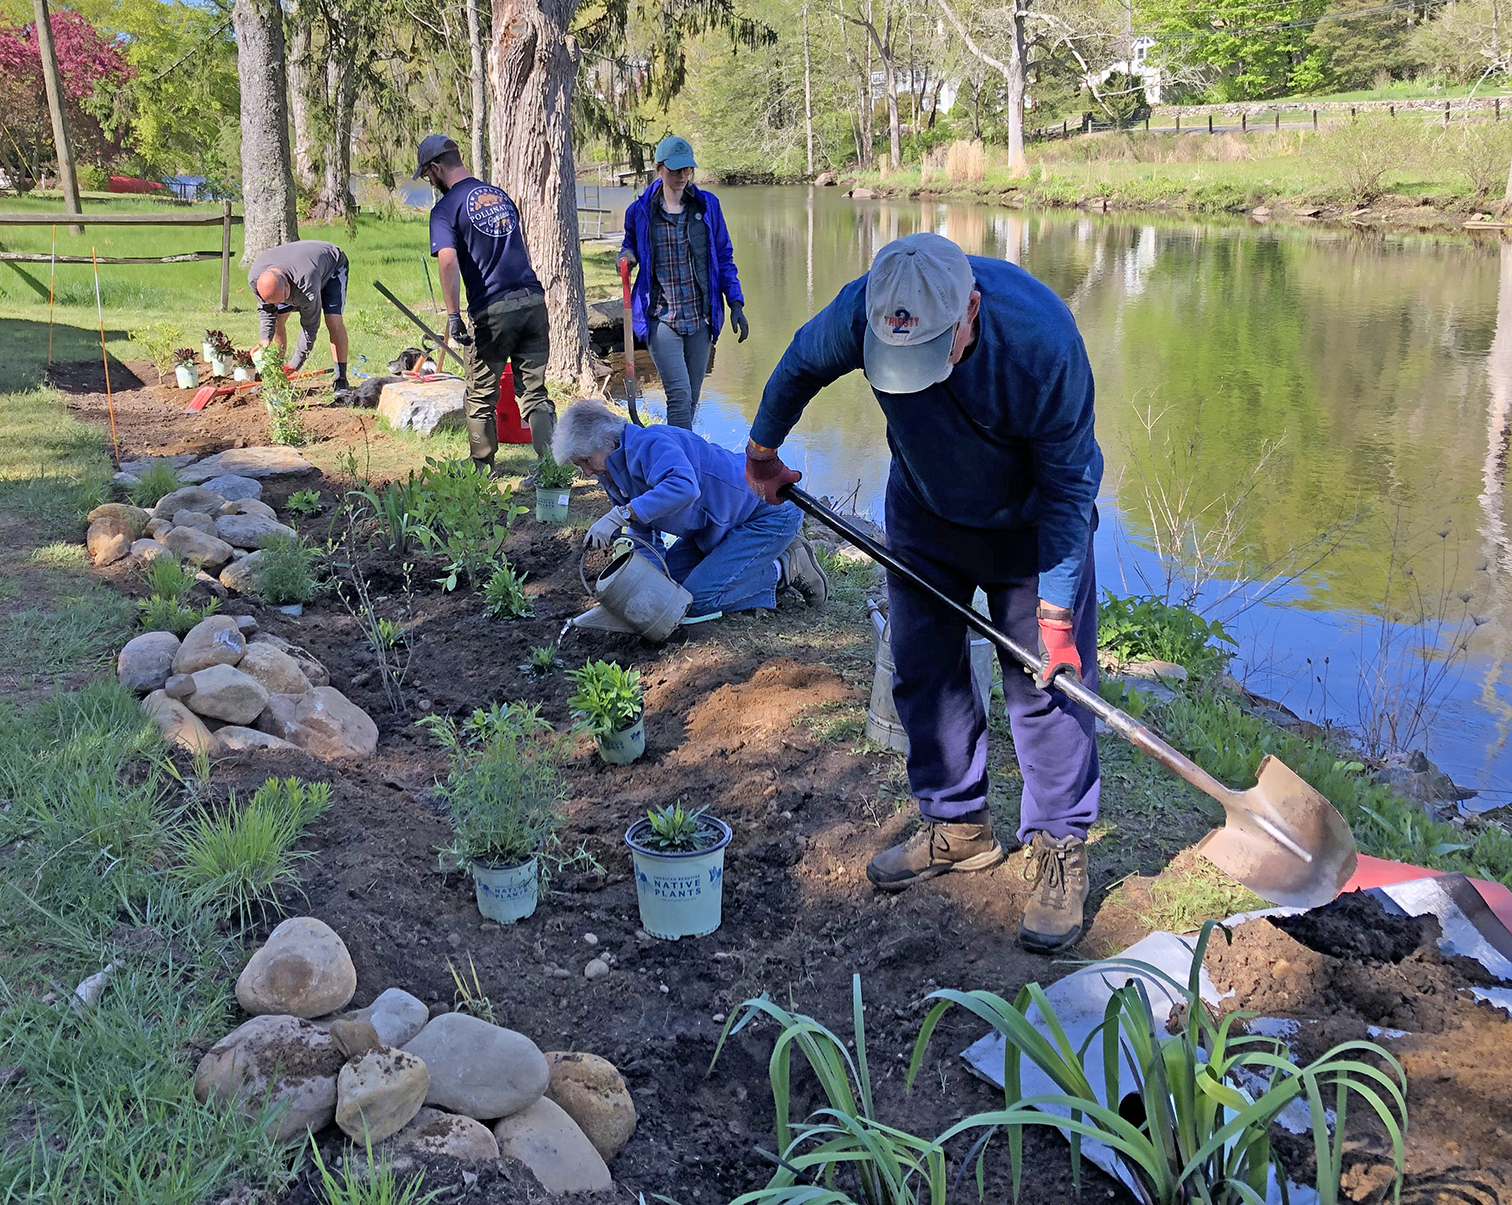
column 1282, row 839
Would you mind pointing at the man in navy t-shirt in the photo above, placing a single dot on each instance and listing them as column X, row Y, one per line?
column 477, row 241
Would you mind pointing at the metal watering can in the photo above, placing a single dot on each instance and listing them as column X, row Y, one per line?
column 633, row 594
column 882, row 723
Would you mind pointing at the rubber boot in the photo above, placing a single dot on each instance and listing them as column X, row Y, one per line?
column 482, row 442
column 542, row 428
column 938, row 847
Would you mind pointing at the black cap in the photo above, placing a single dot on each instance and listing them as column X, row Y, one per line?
column 432, row 147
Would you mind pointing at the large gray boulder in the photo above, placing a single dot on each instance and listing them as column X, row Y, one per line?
column 233, row 488
column 323, row 722
column 190, row 497
column 216, row 640
column 433, row 1132
column 484, row 1071
column 224, row 692
column 198, row 548
column 302, row 970
column 551, row 1145
column 179, row 725
column 424, row 407
column 260, row 463
column 313, row 669
column 281, row 1061
column 379, row 1093
column 278, row 671
column 396, row 1016
column 235, row 739
column 109, row 540
column 251, row 531
column 146, row 661
column 241, row 574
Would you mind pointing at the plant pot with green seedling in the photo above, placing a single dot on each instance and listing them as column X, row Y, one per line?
column 503, row 795
column 185, row 370
column 242, row 367
column 222, row 351
column 212, row 340
column 553, row 490
column 610, row 704
column 679, row 870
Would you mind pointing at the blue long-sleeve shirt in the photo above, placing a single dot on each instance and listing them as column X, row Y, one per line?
column 1005, row 442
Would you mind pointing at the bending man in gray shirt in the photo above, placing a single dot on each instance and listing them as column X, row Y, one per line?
column 309, row 276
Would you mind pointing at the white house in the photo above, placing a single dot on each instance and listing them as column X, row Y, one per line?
column 1135, row 65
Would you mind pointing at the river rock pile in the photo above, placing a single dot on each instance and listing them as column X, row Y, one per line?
column 452, row 1085
column 227, row 687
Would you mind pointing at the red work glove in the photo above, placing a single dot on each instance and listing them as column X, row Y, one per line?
column 765, row 472
column 1057, row 643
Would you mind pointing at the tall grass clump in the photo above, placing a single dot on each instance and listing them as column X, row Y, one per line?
column 166, row 607
column 966, row 162
column 287, row 571
column 154, row 485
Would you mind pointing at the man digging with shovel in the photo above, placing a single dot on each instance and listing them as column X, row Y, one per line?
column 984, row 381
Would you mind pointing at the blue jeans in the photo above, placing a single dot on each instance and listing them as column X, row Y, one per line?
column 681, row 362
column 947, row 730
column 740, row 572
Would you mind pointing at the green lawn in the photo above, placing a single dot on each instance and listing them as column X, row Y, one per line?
column 187, row 296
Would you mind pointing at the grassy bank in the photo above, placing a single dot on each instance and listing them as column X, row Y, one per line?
column 1409, row 170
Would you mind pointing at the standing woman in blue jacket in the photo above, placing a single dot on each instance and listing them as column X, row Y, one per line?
column 675, row 233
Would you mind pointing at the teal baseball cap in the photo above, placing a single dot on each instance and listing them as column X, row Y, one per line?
column 675, row 152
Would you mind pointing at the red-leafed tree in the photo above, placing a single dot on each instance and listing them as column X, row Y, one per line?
column 93, row 67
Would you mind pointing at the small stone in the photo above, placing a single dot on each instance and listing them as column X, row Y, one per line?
column 133, row 516
column 432, row 1132
column 592, row 1092
column 146, row 661
column 303, row 970
column 212, row 641
column 109, row 541
column 482, row 1070
column 312, row 668
column 596, row 969
column 198, row 549
column 236, row 739
column 223, row 692
column 490, row 926
column 396, row 1016
column 148, row 551
column 590, row 939
column 251, row 531
column 179, row 725
column 195, row 519
column 89, row 990
column 424, row 704
column 354, row 1037
column 277, row 1060
column 234, row 489
column 158, row 528
column 379, row 1093
column 259, row 462
column 191, row 497
column 719, row 1018
column 454, row 940
column 663, row 988
column 241, row 574
column 179, row 686
column 551, row 1145
column 125, row 481
column 249, row 506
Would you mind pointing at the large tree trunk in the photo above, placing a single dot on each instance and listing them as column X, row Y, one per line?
column 532, row 63
column 808, row 101
column 333, row 199
column 1013, row 71
column 299, row 99
column 479, row 81
column 267, row 176
column 68, row 178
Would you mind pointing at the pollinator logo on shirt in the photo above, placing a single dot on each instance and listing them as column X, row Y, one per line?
column 491, row 213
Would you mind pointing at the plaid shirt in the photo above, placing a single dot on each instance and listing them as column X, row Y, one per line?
column 675, row 296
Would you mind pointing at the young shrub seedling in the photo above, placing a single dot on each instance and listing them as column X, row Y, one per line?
column 609, row 697
column 167, row 608
column 385, row 635
column 304, row 502
column 158, row 342
column 185, row 357
column 543, row 661
column 285, row 417
column 1141, row 629
column 286, row 572
column 550, row 475
column 504, row 596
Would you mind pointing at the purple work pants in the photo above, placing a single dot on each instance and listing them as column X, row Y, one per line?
column 939, row 709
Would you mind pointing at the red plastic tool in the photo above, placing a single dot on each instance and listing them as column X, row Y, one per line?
column 507, row 413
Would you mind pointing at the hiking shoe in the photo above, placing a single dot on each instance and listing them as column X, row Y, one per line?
column 800, row 570
column 940, row 846
column 1057, row 871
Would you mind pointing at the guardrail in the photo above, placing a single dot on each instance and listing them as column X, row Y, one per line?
column 225, row 220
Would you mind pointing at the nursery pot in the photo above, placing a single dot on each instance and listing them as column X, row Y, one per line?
column 208, row 351
column 506, row 893
column 187, row 375
column 680, row 894
column 241, row 374
column 623, row 746
column 551, row 504
column 218, row 367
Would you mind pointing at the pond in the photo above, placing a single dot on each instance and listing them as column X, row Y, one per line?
column 1313, row 423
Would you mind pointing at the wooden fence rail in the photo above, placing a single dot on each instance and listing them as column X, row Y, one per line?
column 225, row 220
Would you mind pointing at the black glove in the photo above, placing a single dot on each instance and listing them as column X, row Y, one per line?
column 738, row 322
column 456, row 330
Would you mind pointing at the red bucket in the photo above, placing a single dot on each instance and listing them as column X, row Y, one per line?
column 507, row 413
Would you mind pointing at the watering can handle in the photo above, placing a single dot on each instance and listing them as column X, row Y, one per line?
column 629, row 535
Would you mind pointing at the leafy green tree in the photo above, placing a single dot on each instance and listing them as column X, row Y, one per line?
column 1359, row 44
column 1240, row 49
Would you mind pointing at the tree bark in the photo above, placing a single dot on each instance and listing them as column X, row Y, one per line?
column 299, row 98
column 808, row 98
column 68, row 179
column 333, row 200
column 267, row 175
column 532, row 64
column 1012, row 71
column 479, row 130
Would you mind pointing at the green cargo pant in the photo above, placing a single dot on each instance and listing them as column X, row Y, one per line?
column 511, row 331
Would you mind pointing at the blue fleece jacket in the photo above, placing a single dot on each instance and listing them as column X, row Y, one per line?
column 1005, row 442
column 679, row 482
column 714, row 257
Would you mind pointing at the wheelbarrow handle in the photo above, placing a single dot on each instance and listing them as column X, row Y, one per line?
column 1137, row 734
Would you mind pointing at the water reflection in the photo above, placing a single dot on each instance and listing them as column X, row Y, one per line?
column 1380, row 367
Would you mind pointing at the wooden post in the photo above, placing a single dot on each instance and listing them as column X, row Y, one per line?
column 1210, row 123
column 1278, row 121
column 1315, row 120
column 1498, row 108
column 1147, row 125
column 1446, row 112
column 68, row 181
column 1352, row 112
column 1178, row 121
column 1065, row 129
column 1244, row 123
column 225, row 255
column 1390, row 110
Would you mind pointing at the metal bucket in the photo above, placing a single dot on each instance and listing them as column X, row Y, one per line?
column 638, row 595
column 882, row 723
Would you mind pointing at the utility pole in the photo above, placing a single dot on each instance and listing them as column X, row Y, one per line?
column 808, row 97
column 67, row 180
column 479, row 92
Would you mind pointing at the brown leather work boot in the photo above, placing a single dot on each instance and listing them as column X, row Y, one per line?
column 940, row 846
column 1057, row 869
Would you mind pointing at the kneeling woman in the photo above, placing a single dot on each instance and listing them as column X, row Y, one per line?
column 733, row 552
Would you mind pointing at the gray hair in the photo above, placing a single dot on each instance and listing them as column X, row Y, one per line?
column 588, row 426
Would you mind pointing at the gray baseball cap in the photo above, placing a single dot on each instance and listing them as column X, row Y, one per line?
column 917, row 291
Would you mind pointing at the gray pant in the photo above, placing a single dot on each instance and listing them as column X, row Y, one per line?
column 513, row 331
column 681, row 362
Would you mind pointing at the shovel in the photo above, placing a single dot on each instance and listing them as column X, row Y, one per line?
column 635, row 417
column 1280, row 838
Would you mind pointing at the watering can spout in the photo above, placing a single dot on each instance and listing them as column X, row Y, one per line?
column 600, row 619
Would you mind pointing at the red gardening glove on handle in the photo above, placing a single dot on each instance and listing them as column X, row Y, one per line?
column 765, row 472
column 1057, row 645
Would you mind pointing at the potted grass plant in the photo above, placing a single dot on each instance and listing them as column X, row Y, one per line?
column 503, row 796
column 242, row 366
column 679, row 870
column 185, row 369
column 609, row 701
column 553, row 490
